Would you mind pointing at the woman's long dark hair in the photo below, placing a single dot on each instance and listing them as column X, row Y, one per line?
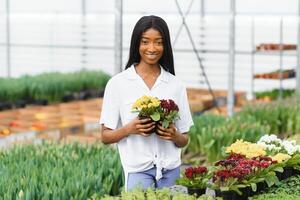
column 157, row 23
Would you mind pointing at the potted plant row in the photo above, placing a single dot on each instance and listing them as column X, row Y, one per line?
column 51, row 88
column 248, row 168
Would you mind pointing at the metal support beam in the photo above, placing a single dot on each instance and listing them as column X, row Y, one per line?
column 280, row 59
column 196, row 53
column 118, row 35
column 230, row 93
column 83, row 34
column 8, row 39
column 298, row 53
column 252, row 93
column 83, row 7
column 202, row 8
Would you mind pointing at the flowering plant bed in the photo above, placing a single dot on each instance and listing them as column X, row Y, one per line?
column 283, row 151
column 240, row 174
column 249, row 168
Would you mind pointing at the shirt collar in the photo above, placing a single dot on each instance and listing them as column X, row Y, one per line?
column 132, row 75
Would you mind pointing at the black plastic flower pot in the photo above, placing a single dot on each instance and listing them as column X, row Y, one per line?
column 261, row 186
column 247, row 192
column 20, row 103
column 279, row 175
column 196, row 191
column 100, row 93
column 228, row 195
column 68, row 98
column 5, row 106
column 87, row 94
column 40, row 102
column 296, row 172
column 287, row 172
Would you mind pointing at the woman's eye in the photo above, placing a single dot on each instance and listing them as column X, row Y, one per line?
column 144, row 42
column 159, row 42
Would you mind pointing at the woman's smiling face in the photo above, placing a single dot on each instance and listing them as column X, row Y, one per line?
column 151, row 46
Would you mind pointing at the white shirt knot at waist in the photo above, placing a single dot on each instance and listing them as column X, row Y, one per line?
column 162, row 164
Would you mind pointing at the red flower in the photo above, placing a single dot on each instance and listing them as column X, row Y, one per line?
column 264, row 164
column 168, row 105
column 189, row 173
column 194, row 171
column 200, row 170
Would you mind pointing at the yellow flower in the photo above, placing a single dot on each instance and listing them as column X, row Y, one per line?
column 146, row 102
column 247, row 149
column 280, row 157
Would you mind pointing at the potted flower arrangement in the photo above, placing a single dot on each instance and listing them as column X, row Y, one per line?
column 237, row 176
column 195, row 179
column 244, row 171
column 164, row 111
column 282, row 151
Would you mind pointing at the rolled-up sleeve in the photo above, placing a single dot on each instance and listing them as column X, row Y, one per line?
column 110, row 112
column 185, row 122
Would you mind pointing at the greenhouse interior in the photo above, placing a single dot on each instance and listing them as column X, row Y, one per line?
column 237, row 65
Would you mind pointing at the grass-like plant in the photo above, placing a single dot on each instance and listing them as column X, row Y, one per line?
column 57, row 171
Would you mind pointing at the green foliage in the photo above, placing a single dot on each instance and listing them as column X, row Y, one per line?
column 50, row 86
column 286, row 189
column 282, row 116
column 55, row 171
column 274, row 94
column 150, row 194
column 212, row 133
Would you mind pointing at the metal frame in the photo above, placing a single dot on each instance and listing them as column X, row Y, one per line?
column 8, row 39
column 298, row 53
column 196, row 51
column 118, row 47
column 231, row 62
column 118, row 35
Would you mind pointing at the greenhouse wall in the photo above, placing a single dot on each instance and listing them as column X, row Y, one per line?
column 71, row 35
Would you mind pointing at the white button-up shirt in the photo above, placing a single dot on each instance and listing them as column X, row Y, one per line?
column 139, row 153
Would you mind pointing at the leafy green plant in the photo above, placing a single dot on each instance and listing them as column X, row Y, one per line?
column 283, row 116
column 151, row 194
column 50, row 86
column 274, row 94
column 57, row 171
column 286, row 189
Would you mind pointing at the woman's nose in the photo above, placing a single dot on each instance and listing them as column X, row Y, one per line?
column 151, row 47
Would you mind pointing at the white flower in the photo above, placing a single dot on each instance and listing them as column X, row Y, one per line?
column 289, row 147
column 271, row 147
column 269, row 138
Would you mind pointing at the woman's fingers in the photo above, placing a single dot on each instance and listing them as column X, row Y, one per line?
column 144, row 126
column 144, row 121
column 163, row 133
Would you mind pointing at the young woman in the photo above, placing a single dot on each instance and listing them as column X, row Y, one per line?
column 148, row 160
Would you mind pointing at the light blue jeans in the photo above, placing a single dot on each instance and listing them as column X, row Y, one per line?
column 147, row 179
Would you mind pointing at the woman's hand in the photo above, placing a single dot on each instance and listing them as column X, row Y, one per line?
column 140, row 126
column 173, row 135
column 169, row 133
